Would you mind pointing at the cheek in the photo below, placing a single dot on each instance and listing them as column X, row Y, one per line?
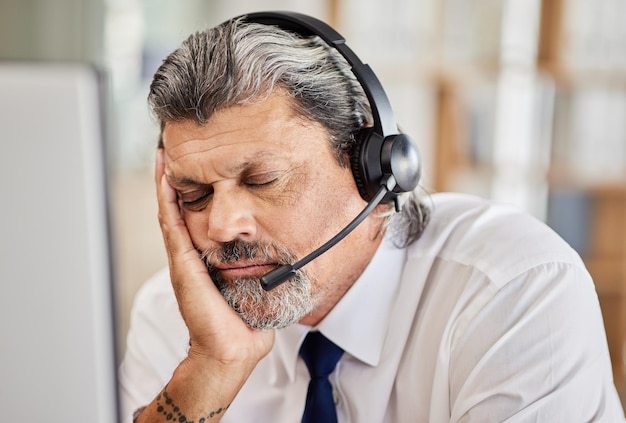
column 197, row 228
column 322, row 212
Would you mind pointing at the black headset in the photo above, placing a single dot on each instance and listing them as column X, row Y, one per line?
column 381, row 151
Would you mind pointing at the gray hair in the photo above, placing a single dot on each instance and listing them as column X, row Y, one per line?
column 238, row 63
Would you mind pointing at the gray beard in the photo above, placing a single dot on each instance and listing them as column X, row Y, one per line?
column 261, row 309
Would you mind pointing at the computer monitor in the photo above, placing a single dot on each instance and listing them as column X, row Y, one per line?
column 57, row 352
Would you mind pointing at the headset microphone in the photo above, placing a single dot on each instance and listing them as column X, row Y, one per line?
column 277, row 276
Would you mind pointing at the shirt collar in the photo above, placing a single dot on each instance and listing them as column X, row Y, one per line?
column 358, row 323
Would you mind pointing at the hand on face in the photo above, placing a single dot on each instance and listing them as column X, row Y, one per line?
column 216, row 331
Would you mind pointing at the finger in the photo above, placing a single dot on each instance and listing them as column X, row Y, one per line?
column 189, row 275
column 172, row 224
column 159, row 167
column 181, row 252
column 164, row 190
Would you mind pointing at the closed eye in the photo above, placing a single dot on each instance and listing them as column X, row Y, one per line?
column 261, row 184
column 195, row 201
column 259, row 181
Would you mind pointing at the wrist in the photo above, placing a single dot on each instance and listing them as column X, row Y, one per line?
column 200, row 391
column 230, row 358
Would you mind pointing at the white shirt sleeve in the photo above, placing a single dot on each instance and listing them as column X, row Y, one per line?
column 527, row 352
column 151, row 356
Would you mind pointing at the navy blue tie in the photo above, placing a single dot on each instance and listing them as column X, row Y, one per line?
column 321, row 357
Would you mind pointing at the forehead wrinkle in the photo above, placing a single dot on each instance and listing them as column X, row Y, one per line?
column 230, row 171
column 248, row 163
column 204, row 146
column 186, row 148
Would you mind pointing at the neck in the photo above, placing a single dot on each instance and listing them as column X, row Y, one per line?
column 329, row 292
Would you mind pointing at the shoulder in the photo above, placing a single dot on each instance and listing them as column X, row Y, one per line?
column 497, row 240
column 497, row 282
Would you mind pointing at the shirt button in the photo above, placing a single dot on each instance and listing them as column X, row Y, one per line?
column 335, row 397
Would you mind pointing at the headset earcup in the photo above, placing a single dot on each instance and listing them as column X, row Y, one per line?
column 400, row 157
column 372, row 158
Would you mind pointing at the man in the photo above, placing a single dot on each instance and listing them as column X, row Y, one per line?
column 454, row 310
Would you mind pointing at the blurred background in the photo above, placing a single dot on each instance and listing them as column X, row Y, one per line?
column 522, row 101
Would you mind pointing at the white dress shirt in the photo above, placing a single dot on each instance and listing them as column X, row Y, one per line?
column 488, row 317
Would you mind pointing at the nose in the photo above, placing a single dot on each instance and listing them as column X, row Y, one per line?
column 230, row 217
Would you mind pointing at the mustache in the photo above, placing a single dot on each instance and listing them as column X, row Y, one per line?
column 233, row 251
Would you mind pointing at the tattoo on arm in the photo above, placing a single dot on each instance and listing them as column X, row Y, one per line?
column 170, row 410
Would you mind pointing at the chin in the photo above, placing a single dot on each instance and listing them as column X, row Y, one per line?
column 264, row 310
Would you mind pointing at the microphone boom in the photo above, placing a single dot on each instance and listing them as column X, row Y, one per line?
column 281, row 274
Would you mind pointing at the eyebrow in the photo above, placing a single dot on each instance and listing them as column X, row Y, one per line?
column 185, row 181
